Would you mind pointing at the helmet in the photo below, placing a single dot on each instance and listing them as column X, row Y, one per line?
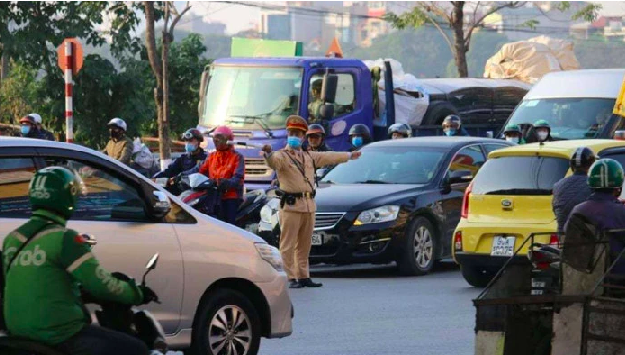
column 582, row 159
column 361, row 129
column 224, row 130
column 30, row 119
column 542, row 124
column 605, row 173
column 401, row 128
column 55, row 189
column 316, row 129
column 192, row 133
column 118, row 122
column 512, row 128
column 451, row 119
column 36, row 117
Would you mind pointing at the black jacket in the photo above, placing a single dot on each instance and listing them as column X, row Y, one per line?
column 184, row 163
column 568, row 193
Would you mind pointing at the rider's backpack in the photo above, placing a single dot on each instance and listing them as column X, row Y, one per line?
column 142, row 155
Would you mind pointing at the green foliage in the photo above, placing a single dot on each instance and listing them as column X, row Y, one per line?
column 18, row 94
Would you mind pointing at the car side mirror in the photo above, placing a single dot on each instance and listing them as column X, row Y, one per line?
column 326, row 112
column 161, row 206
column 328, row 87
column 320, row 173
column 460, row 176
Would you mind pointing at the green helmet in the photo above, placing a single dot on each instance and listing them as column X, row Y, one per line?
column 55, row 189
column 541, row 123
column 512, row 128
column 605, row 174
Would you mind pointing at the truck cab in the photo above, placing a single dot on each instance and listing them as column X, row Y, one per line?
column 254, row 96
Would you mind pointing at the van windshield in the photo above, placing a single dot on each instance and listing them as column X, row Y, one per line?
column 569, row 118
column 519, row 176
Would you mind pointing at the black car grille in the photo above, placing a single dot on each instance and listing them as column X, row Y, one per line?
column 327, row 220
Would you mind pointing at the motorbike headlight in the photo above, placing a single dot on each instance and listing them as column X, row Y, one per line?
column 265, row 213
column 270, row 255
column 378, row 215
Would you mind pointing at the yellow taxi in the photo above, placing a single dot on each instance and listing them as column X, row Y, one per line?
column 510, row 198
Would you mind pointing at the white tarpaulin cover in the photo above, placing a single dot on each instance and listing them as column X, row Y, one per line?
column 530, row 60
column 411, row 99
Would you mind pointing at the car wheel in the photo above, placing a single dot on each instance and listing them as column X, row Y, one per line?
column 420, row 248
column 476, row 277
column 227, row 323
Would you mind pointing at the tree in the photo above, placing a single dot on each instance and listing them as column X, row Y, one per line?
column 160, row 66
column 18, row 94
column 451, row 15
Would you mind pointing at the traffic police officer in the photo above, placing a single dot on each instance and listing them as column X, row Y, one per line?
column 296, row 172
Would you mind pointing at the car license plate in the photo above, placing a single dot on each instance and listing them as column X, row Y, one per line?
column 503, row 246
column 317, row 239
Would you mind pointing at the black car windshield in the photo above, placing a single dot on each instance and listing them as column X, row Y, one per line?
column 569, row 118
column 389, row 165
column 512, row 175
column 242, row 96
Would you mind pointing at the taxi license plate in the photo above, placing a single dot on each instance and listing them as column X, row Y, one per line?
column 317, row 239
column 503, row 246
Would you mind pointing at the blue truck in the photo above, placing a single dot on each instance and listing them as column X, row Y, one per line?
column 254, row 96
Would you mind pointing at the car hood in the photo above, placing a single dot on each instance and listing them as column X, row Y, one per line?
column 357, row 197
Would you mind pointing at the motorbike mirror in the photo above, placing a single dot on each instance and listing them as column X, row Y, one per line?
column 90, row 239
column 151, row 265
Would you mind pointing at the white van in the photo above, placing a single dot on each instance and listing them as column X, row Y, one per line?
column 577, row 104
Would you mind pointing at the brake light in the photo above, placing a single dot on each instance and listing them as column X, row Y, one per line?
column 458, row 241
column 554, row 239
column 464, row 213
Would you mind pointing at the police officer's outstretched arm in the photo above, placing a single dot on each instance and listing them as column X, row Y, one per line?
column 275, row 161
column 81, row 264
column 332, row 158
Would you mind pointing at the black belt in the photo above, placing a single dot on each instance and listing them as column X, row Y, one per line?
column 290, row 198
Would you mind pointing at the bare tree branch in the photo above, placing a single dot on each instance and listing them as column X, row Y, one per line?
column 178, row 17
column 433, row 8
column 511, row 4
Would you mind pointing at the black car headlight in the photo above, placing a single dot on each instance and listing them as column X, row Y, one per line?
column 380, row 214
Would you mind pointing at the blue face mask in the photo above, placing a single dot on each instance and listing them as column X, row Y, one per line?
column 25, row 129
column 357, row 142
column 294, row 142
column 450, row 132
column 190, row 147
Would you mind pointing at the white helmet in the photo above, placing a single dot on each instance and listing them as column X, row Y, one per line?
column 36, row 117
column 119, row 123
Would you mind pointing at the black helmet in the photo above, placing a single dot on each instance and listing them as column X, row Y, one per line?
column 360, row 129
column 401, row 128
column 582, row 159
column 316, row 128
column 451, row 119
column 192, row 133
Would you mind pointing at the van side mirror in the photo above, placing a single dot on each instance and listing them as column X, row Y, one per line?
column 326, row 112
column 460, row 176
column 329, row 87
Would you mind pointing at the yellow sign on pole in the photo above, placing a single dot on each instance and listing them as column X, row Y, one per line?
column 619, row 108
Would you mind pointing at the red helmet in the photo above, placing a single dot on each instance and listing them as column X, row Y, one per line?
column 224, row 130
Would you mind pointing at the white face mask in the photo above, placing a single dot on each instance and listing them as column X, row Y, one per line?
column 513, row 139
column 542, row 135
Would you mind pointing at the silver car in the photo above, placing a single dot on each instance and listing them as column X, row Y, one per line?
column 210, row 274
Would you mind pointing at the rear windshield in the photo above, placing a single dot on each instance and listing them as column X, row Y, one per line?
column 519, row 176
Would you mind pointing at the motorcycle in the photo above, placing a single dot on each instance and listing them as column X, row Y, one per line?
column 545, row 259
column 202, row 194
column 112, row 315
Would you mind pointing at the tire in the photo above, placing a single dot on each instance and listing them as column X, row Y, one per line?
column 476, row 277
column 438, row 112
column 219, row 311
column 420, row 248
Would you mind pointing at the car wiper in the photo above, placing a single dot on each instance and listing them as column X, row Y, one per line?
column 328, row 182
column 372, row 182
column 258, row 119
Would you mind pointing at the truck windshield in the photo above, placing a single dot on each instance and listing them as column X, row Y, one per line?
column 569, row 118
column 242, row 96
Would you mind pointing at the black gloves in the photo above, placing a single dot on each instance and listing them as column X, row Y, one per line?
column 148, row 295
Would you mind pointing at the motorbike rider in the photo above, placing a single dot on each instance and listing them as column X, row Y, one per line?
column 226, row 167
column 359, row 136
column 316, row 139
column 119, row 147
column 28, row 127
column 573, row 190
column 542, row 130
column 45, row 134
column 513, row 133
column 43, row 264
column 603, row 208
column 399, row 130
column 194, row 157
column 452, row 126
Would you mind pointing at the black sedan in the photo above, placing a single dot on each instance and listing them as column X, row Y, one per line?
column 399, row 202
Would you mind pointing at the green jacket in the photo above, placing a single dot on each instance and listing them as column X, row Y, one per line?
column 120, row 149
column 41, row 297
